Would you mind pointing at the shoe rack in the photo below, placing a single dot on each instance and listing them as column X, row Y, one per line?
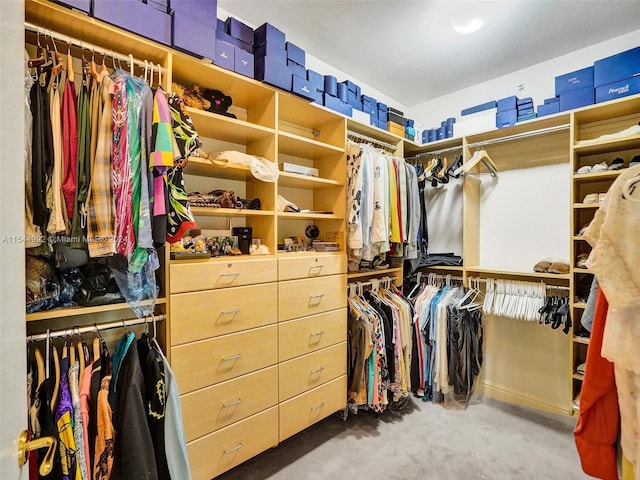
column 587, row 192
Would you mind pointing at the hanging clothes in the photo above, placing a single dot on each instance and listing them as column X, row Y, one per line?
column 83, row 168
column 69, row 145
column 78, row 429
column 58, row 221
column 32, row 232
column 64, row 421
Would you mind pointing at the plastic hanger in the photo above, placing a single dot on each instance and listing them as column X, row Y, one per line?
column 93, row 68
column 56, row 367
column 70, row 72
column 131, row 64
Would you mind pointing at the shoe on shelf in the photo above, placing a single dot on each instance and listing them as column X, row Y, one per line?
column 583, row 229
column 581, row 261
column 591, row 198
column 601, row 197
column 581, row 368
column 584, row 169
column 616, row 164
column 634, row 161
column 543, row 265
column 576, row 402
column 559, row 267
column 600, row 167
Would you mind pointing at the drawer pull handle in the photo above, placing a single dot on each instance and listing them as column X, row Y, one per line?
column 230, row 277
column 313, row 409
column 232, row 357
column 315, row 299
column 317, row 267
column 318, row 334
column 232, row 404
column 230, row 312
column 237, row 447
column 313, row 372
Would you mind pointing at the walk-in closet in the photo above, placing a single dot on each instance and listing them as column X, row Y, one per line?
column 272, row 240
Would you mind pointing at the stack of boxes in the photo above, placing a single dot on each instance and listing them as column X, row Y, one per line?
column 525, row 109
column 317, row 83
column 396, row 121
column 270, row 56
column 234, row 46
column 82, row 5
column 445, row 130
column 383, row 116
column 300, row 84
column 370, row 106
column 335, row 95
column 617, row 76
column 550, row 106
column 575, row 89
column 194, row 27
column 138, row 17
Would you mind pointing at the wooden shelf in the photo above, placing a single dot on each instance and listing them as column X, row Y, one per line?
column 586, row 206
column 74, row 311
column 608, row 110
column 205, row 168
column 298, row 146
column 508, row 273
column 219, row 127
column 579, row 237
column 229, row 212
column 580, row 305
column 302, row 113
column 295, row 180
column 612, row 145
column 582, row 270
column 308, row 216
column 221, row 259
column 578, row 376
column 412, row 149
column 374, row 273
column 374, row 132
column 597, row 176
column 582, row 340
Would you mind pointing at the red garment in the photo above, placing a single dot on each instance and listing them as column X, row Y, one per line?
column 597, row 429
column 69, row 146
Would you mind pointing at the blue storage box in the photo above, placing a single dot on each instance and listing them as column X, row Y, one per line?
column 616, row 67
column 479, row 108
column 236, row 42
column 451, row 120
column 582, row 78
column 244, row 63
column 449, row 128
column 137, row 17
column 342, row 93
column 319, row 97
column 433, row 135
column 619, row 89
column 382, row 106
column 239, row 30
column 222, row 26
column 507, row 103
column 525, row 111
column 410, row 122
column 528, row 116
column 82, row 5
column 162, row 5
column 206, row 11
column 366, row 98
column 331, row 85
column 194, row 37
column 371, row 108
column 383, row 115
column 272, row 50
column 577, row 98
column 332, row 102
column 548, row 101
column 268, row 33
column 346, row 109
column 316, row 78
column 351, row 86
column 303, row 87
column 411, row 131
column 506, row 118
column 442, row 133
column 382, row 124
column 354, row 102
column 273, row 72
column 296, row 69
column 548, row 109
column 425, row 136
column 524, row 101
column 225, row 55
column 295, row 53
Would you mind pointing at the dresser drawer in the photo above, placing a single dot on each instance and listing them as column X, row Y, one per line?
column 308, row 334
column 220, row 451
column 299, row 298
column 309, row 266
column 304, row 410
column 303, row 373
column 200, row 364
column 212, row 408
column 200, row 315
column 216, row 273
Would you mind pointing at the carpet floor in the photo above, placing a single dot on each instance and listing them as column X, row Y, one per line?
column 488, row 440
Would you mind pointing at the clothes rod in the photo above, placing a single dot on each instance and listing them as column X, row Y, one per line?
column 518, row 136
column 88, row 46
column 548, row 287
column 365, row 138
column 434, row 153
column 370, row 283
column 92, row 328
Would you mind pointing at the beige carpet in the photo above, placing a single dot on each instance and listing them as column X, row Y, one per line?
column 489, row 440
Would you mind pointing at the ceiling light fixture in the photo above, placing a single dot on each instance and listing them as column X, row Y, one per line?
column 471, row 26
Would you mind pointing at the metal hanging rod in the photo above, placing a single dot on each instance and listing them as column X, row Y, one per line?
column 88, row 46
column 548, row 287
column 359, row 136
column 370, row 283
column 433, row 153
column 91, row 329
column 517, row 136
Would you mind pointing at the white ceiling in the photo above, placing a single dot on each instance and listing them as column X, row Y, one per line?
column 409, row 51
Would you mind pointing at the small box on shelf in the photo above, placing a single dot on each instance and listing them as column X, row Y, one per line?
column 244, row 63
column 303, row 88
column 135, row 16
column 239, row 30
column 268, row 33
column 225, row 55
column 273, row 72
column 191, row 36
column 576, row 80
column 577, row 98
column 295, row 53
column 206, row 11
column 619, row 89
column 271, row 50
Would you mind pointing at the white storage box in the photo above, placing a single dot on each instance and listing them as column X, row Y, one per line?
column 475, row 123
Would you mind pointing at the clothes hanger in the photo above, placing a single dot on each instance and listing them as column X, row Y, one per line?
column 131, row 64
column 103, row 68
column 159, row 75
column 40, row 367
column 477, row 157
column 70, row 72
column 56, row 387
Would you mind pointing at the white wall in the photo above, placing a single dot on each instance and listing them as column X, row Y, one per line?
column 538, row 82
column 323, row 68
column 12, row 284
